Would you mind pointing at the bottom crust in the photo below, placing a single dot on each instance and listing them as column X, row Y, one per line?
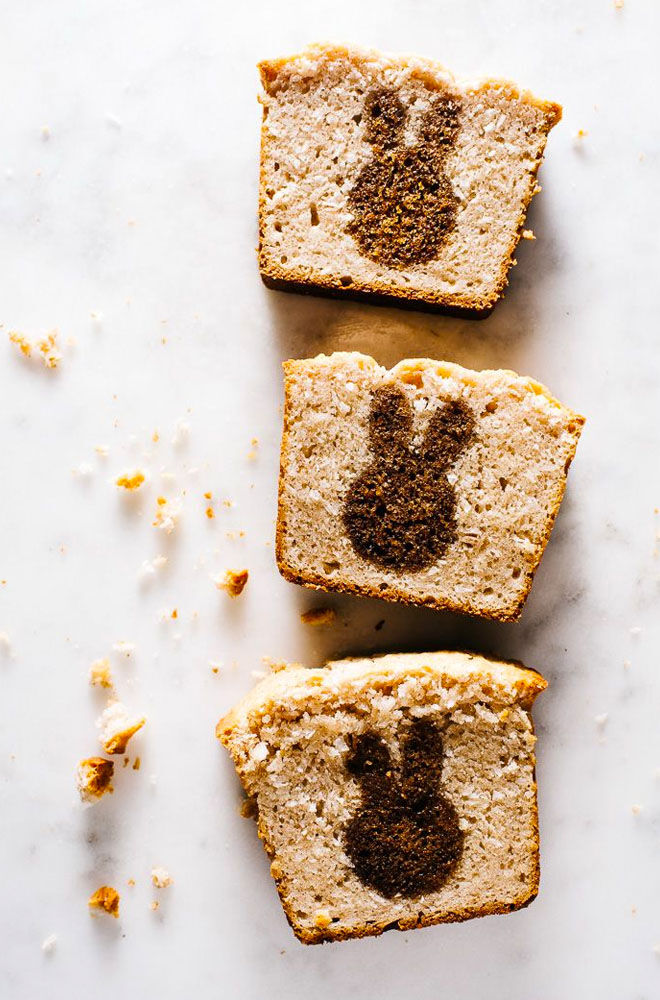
column 378, row 298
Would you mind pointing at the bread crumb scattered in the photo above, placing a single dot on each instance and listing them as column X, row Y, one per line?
column 619, row 4
column 131, row 480
column 137, row 763
column 636, row 809
column 318, row 616
column 49, row 944
column 106, row 899
column 210, row 513
column 233, row 581
column 102, row 450
column 150, row 567
column 124, row 648
column 44, row 347
column 322, row 919
column 94, row 778
column 100, row 674
column 131, row 882
column 627, row 664
column 161, row 878
column 580, row 135
column 528, row 234
column 117, row 727
column 181, row 432
column 154, row 904
column 252, row 454
column 215, row 665
column 600, row 720
column 167, row 514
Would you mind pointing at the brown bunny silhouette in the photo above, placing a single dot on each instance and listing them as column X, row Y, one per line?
column 403, row 204
column 400, row 512
column 406, row 839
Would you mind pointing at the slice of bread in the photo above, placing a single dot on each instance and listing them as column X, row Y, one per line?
column 428, row 484
column 385, row 178
column 392, row 792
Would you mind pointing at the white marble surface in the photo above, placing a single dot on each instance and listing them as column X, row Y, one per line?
column 139, row 205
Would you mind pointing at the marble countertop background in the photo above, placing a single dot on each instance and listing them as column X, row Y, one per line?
column 128, row 176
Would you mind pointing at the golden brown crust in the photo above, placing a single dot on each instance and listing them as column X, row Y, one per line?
column 392, row 593
column 309, row 282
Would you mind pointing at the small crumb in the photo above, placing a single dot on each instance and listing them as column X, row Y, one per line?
column 233, row 581
column 208, row 495
column 600, row 720
column 102, row 450
column 167, row 514
column 5, row 643
column 47, row 347
column 322, row 919
column 636, row 809
column 94, row 778
column 181, row 433
column 154, row 904
column 100, row 674
column 131, row 480
column 45, row 133
column 636, row 630
column 175, row 613
column 627, row 664
column 161, row 878
column 318, row 616
column 117, row 727
column 528, row 234
column 619, row 4
column 49, row 944
column 106, row 899
column 21, row 342
column 580, row 136
column 215, row 666
column 150, row 567
column 131, row 882
column 136, row 764
column 228, row 503
column 155, row 437
column 124, row 648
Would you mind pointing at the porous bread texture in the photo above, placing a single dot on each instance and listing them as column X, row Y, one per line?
column 289, row 739
column 313, row 149
column 509, row 482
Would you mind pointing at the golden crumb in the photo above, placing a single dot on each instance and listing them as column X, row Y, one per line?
column 210, row 513
column 154, row 904
column 322, row 919
column 155, row 437
column 175, row 613
column 131, row 480
column 21, row 342
column 167, row 514
column 47, row 347
column 117, row 728
column 94, row 778
column 208, row 496
column 99, row 674
column 318, row 616
column 161, row 878
column 233, row 581
column 131, row 882
column 618, row 4
column 107, row 899
column 528, row 234
column 102, row 450
column 581, row 133
column 136, row 764
column 228, row 503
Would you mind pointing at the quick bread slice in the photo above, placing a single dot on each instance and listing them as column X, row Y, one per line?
column 392, row 792
column 428, row 483
column 386, row 178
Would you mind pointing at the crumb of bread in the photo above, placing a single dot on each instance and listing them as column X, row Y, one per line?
column 124, row 648
column 106, row 899
column 102, row 450
column 600, row 720
column 318, row 616
column 5, row 643
column 215, row 666
column 210, row 513
column 131, row 480
column 618, row 4
column 636, row 809
column 528, row 234
column 580, row 134
column 154, row 904
column 117, row 727
column 151, row 566
column 137, row 763
column 49, row 944
column 24, row 345
column 322, row 919
column 232, row 580
column 274, row 666
column 131, row 882
column 167, row 514
column 627, row 664
column 94, row 778
column 181, row 432
column 100, row 674
column 161, row 878
column 47, row 348
column 228, row 503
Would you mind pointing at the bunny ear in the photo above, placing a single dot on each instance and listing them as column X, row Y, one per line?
column 441, row 122
column 385, row 116
column 369, row 755
column 390, row 420
column 422, row 758
column 449, row 432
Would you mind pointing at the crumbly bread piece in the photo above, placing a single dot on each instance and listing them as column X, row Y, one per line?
column 385, row 178
column 117, row 727
column 94, row 778
column 105, row 899
column 428, row 484
column 392, row 792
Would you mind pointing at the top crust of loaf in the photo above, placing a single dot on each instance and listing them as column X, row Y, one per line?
column 301, row 689
column 275, row 73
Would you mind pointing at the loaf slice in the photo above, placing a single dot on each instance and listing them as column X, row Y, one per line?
column 385, row 178
column 428, row 484
column 392, row 792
